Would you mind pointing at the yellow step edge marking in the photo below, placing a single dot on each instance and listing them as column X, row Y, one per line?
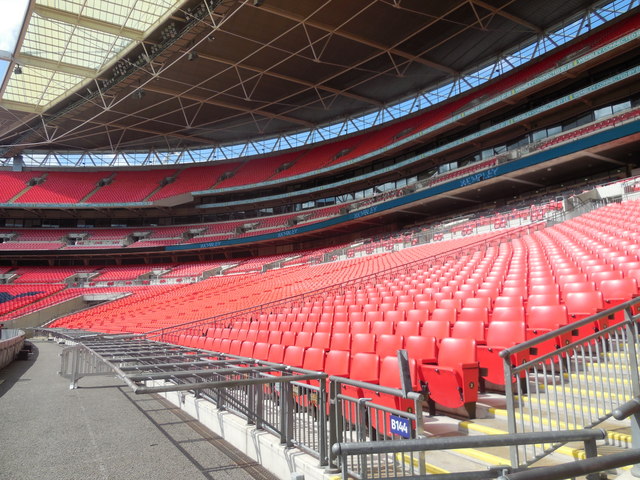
column 593, row 378
column 622, row 437
column 406, row 458
column 579, row 391
column 564, row 450
column 483, row 456
column 572, row 452
column 544, row 401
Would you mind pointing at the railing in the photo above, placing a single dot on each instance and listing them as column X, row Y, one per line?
column 397, row 456
column 287, row 402
column 578, row 384
column 198, row 326
column 291, row 410
column 364, row 421
column 593, row 465
column 375, row 431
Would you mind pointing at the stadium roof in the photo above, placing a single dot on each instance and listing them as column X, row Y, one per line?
column 113, row 75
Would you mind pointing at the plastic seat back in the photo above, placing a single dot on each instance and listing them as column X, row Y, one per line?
column 543, row 299
column 390, row 373
column 276, row 353
column 421, row 348
column 304, row 339
column 261, row 351
column 583, row 303
column 505, row 334
column 314, row 359
column 436, row 328
column 363, row 343
column 294, row 356
column 288, row 338
column 616, row 291
column 388, row 345
column 382, row 328
column 321, row 340
column 246, row 350
column 365, row 367
column 407, row 328
column 474, row 330
column 546, row 316
column 337, row 363
column 341, row 341
column 508, row 314
column 359, row 327
column 473, row 314
column 443, row 314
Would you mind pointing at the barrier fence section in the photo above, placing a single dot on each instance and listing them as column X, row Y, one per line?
column 578, row 383
column 289, row 410
column 363, row 413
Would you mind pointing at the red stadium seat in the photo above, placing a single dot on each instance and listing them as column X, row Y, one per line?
column 500, row 336
column 453, row 382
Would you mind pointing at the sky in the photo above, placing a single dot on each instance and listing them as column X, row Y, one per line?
column 11, row 20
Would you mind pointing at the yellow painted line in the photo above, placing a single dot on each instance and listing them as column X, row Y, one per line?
column 564, row 450
column 562, row 405
column 583, row 392
column 406, row 458
column 621, row 437
column 483, row 456
column 571, row 452
column 593, row 378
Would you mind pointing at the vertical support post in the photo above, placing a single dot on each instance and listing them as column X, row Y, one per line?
column 591, row 451
column 259, row 406
column 322, row 424
column 335, row 433
column 361, row 426
column 510, row 404
column 283, row 413
column 632, row 338
column 75, row 361
column 289, row 408
column 251, row 400
column 422, row 465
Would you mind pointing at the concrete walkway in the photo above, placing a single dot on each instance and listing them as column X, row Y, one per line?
column 102, row 430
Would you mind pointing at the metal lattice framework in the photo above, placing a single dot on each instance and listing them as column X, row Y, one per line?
column 215, row 73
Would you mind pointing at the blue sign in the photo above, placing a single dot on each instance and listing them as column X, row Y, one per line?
column 401, row 426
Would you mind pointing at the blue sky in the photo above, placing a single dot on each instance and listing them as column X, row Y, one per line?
column 11, row 20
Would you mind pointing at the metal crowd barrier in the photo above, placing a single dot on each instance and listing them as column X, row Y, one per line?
column 395, row 454
column 578, row 385
column 367, row 421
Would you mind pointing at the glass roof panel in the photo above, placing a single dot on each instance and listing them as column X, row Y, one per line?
column 69, row 41
column 40, row 86
column 71, row 44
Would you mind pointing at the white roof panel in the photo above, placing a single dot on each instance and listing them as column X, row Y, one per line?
column 69, row 41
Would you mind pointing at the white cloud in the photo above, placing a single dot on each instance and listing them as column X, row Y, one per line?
column 11, row 20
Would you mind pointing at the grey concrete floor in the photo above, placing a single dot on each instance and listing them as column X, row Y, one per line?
column 102, row 430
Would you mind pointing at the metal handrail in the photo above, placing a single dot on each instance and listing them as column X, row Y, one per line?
column 577, row 468
column 473, row 441
column 527, row 345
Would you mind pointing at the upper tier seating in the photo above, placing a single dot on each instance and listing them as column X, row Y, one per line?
column 13, row 183
column 259, row 170
column 56, row 188
column 127, row 187
column 194, row 179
